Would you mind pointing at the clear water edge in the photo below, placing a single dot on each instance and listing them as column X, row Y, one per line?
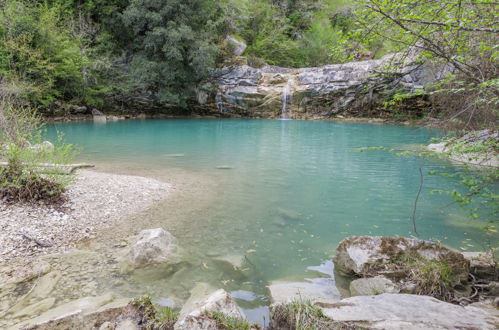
column 287, row 193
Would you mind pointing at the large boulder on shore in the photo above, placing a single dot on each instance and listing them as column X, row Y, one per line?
column 198, row 317
column 367, row 256
column 405, row 311
column 153, row 246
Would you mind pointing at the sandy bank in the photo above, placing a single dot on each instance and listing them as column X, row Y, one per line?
column 95, row 201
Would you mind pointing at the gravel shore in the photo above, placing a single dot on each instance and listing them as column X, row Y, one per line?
column 95, row 201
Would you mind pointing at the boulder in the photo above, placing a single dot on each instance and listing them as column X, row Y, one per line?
column 96, row 112
column 78, row 109
column 391, row 256
column 198, row 315
column 153, row 246
column 405, row 311
column 372, row 286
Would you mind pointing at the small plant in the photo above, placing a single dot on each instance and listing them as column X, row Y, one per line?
column 227, row 322
column 299, row 315
column 163, row 319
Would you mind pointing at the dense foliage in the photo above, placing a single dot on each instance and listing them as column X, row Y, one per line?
column 103, row 52
column 123, row 53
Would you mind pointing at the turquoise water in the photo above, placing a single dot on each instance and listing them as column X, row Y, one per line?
column 282, row 193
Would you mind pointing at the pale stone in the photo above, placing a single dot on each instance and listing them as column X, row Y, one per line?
column 315, row 290
column 372, row 286
column 36, row 308
column 235, row 46
column 404, row 311
column 198, row 318
column 153, row 246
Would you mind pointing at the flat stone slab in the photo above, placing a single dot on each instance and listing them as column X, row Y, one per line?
column 372, row 286
column 315, row 289
column 405, row 311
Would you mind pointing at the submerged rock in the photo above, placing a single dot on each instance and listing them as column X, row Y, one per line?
column 196, row 314
column 153, row 246
column 372, row 286
column 85, row 313
column 404, row 311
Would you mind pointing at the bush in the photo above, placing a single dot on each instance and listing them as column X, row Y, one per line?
column 30, row 171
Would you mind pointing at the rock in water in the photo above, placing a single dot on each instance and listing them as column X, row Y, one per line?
column 374, row 255
column 198, row 317
column 153, row 246
column 372, row 286
column 405, row 311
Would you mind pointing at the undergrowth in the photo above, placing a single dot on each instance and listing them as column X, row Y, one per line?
column 300, row 315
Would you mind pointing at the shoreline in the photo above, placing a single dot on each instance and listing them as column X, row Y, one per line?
column 96, row 201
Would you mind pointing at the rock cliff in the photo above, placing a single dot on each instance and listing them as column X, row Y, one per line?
column 320, row 92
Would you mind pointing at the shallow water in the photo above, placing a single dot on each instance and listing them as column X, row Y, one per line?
column 280, row 193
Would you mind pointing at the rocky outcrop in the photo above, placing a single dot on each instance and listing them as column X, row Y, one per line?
column 314, row 92
column 482, row 265
column 413, row 265
column 374, row 255
column 153, row 246
column 405, row 311
column 196, row 315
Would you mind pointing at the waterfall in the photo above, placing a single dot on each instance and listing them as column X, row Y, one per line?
column 286, row 98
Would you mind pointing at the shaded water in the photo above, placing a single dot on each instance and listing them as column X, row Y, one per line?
column 282, row 194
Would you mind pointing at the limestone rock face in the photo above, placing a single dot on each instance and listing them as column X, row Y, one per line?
column 373, row 255
column 198, row 319
column 153, row 246
column 372, row 286
column 313, row 92
column 405, row 311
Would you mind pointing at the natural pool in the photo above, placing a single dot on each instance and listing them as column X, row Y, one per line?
column 280, row 193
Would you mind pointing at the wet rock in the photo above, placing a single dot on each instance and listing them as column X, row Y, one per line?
column 19, row 273
column 36, row 308
column 197, row 316
column 482, row 264
column 153, row 246
column 316, row 290
column 372, row 286
column 79, row 110
column 404, row 311
column 289, row 215
column 75, row 314
column 380, row 255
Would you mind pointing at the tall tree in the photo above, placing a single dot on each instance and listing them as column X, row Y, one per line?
column 173, row 47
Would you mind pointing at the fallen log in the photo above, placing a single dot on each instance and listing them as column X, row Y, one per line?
column 54, row 168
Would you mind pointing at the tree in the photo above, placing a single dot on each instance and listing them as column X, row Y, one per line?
column 461, row 33
column 172, row 47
